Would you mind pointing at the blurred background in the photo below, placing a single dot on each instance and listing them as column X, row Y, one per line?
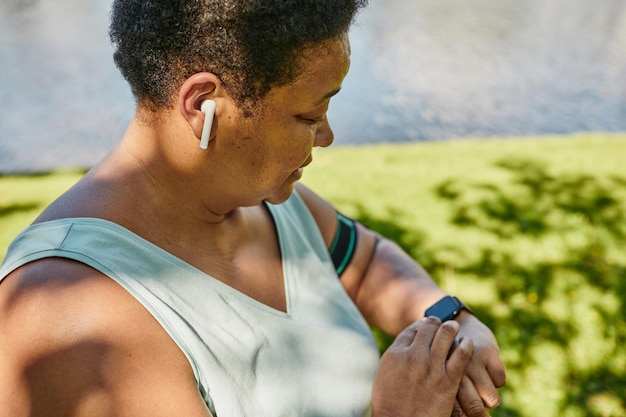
column 492, row 147
column 422, row 70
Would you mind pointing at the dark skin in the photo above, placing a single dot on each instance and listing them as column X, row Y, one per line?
column 72, row 357
column 426, row 342
column 66, row 352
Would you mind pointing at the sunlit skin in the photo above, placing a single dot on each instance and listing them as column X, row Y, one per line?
column 206, row 207
column 272, row 148
column 249, row 159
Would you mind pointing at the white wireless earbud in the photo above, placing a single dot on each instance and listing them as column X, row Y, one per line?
column 208, row 108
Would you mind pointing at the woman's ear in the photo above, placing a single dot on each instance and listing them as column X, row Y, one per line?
column 195, row 91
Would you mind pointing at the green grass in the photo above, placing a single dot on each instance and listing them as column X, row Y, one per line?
column 23, row 197
column 530, row 232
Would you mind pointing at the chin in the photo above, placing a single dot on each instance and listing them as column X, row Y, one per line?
column 282, row 195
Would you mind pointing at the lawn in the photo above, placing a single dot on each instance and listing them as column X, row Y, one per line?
column 529, row 232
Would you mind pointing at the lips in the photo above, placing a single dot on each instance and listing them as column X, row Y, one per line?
column 307, row 162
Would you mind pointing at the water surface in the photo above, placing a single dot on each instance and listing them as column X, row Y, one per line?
column 421, row 70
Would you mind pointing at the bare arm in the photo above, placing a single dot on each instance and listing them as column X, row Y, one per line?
column 392, row 291
column 66, row 352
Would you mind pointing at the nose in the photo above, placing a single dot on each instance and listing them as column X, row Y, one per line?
column 324, row 136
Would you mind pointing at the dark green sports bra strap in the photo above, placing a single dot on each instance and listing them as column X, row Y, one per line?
column 344, row 243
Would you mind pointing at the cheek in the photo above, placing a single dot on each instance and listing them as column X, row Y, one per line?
column 293, row 145
column 305, row 139
column 282, row 145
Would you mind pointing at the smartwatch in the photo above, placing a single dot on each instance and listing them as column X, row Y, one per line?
column 448, row 308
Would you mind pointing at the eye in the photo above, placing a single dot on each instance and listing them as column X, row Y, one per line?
column 312, row 121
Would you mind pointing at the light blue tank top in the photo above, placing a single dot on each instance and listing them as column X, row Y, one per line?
column 317, row 359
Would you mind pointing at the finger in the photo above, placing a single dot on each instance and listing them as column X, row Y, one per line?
column 459, row 359
column 444, row 340
column 483, row 384
column 407, row 336
column 469, row 399
column 457, row 410
column 495, row 368
column 427, row 331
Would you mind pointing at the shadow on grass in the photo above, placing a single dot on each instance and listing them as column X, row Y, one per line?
column 585, row 218
column 16, row 208
column 42, row 174
column 414, row 242
column 25, row 175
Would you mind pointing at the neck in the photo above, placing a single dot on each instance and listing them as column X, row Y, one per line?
column 172, row 169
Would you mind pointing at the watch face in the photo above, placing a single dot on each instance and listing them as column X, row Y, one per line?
column 446, row 309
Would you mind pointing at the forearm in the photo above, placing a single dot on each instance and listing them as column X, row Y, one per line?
column 394, row 290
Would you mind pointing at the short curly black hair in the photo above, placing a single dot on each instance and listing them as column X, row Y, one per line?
column 252, row 45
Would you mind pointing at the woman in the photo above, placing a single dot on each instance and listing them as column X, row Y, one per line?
column 178, row 280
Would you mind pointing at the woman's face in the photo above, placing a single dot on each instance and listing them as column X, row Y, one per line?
column 274, row 145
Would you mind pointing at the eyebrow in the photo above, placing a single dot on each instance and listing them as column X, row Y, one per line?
column 329, row 95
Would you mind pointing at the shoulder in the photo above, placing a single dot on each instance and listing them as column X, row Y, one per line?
column 75, row 343
column 322, row 211
column 366, row 240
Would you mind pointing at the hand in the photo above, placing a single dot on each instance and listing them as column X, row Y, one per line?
column 420, row 373
column 484, row 372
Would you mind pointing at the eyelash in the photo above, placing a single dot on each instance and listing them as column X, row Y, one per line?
column 313, row 121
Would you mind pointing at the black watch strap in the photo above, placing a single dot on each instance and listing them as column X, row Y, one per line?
column 448, row 308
